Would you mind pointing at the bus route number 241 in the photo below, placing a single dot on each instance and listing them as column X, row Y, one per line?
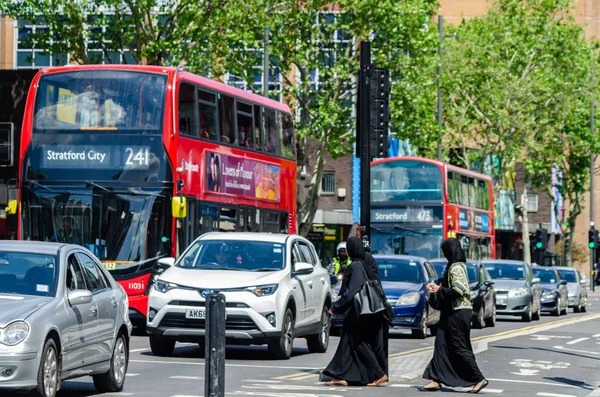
column 137, row 157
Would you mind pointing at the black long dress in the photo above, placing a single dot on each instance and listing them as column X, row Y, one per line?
column 453, row 363
column 360, row 356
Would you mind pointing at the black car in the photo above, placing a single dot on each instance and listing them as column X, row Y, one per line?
column 483, row 294
column 555, row 294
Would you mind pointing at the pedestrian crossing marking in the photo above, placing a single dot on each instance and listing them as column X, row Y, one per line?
column 295, row 376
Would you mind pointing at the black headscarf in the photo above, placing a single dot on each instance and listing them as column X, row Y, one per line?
column 453, row 251
column 356, row 249
column 370, row 261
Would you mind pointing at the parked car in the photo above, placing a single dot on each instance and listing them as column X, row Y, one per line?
column 62, row 316
column 403, row 280
column 577, row 288
column 274, row 285
column 518, row 292
column 483, row 294
column 555, row 297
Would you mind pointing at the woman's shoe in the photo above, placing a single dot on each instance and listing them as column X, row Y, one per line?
column 483, row 385
column 336, row 383
column 431, row 388
column 379, row 381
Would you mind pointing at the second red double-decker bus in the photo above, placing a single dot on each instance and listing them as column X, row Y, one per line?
column 134, row 162
column 417, row 202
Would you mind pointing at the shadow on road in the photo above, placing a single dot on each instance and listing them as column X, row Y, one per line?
column 232, row 352
column 572, row 382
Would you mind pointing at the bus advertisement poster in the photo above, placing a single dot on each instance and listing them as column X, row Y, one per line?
column 242, row 177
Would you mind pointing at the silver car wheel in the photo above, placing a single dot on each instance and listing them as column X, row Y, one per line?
column 288, row 337
column 324, row 327
column 50, row 372
column 119, row 359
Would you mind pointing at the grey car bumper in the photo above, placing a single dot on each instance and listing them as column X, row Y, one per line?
column 23, row 369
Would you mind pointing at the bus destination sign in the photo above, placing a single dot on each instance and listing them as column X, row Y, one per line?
column 96, row 156
column 418, row 214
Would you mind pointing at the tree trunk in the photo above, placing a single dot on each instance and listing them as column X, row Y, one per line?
column 308, row 209
column 574, row 211
column 525, row 227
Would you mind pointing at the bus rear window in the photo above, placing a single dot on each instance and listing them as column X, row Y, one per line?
column 100, row 100
column 406, row 180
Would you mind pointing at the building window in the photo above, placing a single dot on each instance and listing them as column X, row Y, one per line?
column 328, row 183
column 532, row 202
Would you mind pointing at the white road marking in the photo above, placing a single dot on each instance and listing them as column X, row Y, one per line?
column 526, row 372
column 118, row 394
column 277, row 394
column 532, row 382
column 298, row 387
column 227, row 365
column 403, row 385
column 139, row 350
column 132, row 375
column 486, row 390
column 573, row 350
column 184, row 377
column 596, row 336
column 262, row 381
column 555, row 395
column 185, row 395
column 577, row 341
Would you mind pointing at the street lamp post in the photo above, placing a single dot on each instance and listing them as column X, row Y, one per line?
column 440, row 118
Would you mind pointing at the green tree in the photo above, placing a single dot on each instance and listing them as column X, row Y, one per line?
column 154, row 32
column 316, row 53
column 511, row 95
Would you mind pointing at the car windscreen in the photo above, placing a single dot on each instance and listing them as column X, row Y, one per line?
column 234, row 255
column 546, row 276
column 568, row 275
column 506, row 271
column 400, row 270
column 439, row 267
column 28, row 274
column 472, row 273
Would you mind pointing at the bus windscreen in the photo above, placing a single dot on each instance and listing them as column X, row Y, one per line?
column 100, row 100
column 406, row 180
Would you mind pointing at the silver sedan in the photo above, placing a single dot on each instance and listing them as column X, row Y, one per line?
column 62, row 316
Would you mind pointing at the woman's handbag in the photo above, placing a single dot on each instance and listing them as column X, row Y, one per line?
column 371, row 299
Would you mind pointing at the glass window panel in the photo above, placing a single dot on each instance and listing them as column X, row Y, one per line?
column 227, row 119
column 24, row 59
column 188, row 122
column 258, row 140
column 271, row 128
column 42, row 59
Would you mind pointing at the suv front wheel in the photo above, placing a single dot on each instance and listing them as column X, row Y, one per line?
column 282, row 347
column 318, row 343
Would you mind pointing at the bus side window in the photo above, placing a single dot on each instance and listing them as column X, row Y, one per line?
column 245, row 123
column 271, row 131
column 288, row 145
column 257, row 128
column 227, row 119
column 207, row 111
column 188, row 118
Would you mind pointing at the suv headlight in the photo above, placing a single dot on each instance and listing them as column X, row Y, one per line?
column 263, row 290
column 520, row 292
column 409, row 299
column 164, row 287
column 14, row 333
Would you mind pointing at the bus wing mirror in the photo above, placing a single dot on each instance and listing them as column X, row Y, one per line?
column 179, row 207
column 12, row 207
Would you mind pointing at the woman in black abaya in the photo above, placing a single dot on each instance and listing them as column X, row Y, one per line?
column 360, row 357
column 453, row 363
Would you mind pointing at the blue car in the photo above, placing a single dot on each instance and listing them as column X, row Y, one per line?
column 404, row 279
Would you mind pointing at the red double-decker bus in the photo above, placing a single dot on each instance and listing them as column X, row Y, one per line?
column 418, row 202
column 134, row 162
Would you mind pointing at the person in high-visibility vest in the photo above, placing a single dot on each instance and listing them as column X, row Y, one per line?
column 66, row 234
column 342, row 261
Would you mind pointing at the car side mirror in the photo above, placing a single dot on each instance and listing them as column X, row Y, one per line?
column 432, row 281
column 80, row 297
column 302, row 268
column 583, row 282
column 536, row 280
column 563, row 282
column 166, row 262
column 489, row 283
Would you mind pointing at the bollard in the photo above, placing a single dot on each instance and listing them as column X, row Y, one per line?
column 214, row 368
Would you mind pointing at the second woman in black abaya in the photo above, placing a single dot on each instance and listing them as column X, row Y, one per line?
column 360, row 356
column 453, row 363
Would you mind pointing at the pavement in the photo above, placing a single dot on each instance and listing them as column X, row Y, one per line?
column 554, row 357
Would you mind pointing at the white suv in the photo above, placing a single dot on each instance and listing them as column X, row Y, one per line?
column 274, row 285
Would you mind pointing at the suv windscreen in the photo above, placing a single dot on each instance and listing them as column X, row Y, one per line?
column 234, row 255
column 568, row 275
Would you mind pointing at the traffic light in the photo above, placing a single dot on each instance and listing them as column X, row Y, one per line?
column 593, row 238
column 540, row 240
column 379, row 102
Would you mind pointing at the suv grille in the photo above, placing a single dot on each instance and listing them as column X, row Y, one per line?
column 233, row 322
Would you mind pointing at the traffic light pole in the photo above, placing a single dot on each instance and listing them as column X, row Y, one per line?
column 363, row 121
column 592, row 251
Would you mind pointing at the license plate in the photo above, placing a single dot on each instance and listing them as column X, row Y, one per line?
column 110, row 266
column 195, row 314
column 501, row 301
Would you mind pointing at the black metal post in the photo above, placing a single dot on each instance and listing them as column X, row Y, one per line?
column 214, row 371
column 364, row 118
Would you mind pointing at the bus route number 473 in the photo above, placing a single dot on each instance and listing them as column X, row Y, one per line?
column 424, row 216
column 137, row 158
